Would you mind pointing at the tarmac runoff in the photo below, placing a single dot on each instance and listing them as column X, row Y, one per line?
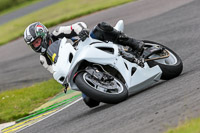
column 54, row 105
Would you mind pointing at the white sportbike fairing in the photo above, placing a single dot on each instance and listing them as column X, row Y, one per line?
column 97, row 63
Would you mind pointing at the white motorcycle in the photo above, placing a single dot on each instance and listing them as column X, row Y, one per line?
column 109, row 73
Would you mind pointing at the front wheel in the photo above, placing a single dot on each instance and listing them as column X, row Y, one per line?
column 111, row 92
column 171, row 66
column 89, row 101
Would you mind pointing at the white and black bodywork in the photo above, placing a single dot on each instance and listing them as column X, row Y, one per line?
column 109, row 73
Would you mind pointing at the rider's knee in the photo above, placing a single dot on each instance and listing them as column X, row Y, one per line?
column 103, row 31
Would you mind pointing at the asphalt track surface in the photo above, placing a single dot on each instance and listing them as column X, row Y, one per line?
column 26, row 10
column 175, row 24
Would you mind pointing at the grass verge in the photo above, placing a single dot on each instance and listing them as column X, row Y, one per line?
column 191, row 126
column 54, row 14
column 5, row 4
column 19, row 102
column 18, row 6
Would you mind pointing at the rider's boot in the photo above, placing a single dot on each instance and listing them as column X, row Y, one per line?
column 124, row 40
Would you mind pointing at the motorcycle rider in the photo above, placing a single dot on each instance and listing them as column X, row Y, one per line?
column 37, row 36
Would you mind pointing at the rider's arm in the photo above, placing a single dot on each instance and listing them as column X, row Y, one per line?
column 68, row 31
column 46, row 63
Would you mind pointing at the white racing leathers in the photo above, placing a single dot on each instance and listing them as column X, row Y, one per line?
column 44, row 63
column 60, row 32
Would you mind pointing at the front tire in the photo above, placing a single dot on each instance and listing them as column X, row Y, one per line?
column 171, row 67
column 93, row 92
column 89, row 101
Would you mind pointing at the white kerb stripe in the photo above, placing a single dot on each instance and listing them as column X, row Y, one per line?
column 52, row 114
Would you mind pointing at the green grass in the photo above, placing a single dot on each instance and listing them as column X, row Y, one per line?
column 191, row 126
column 6, row 4
column 18, row 6
column 54, row 14
column 19, row 102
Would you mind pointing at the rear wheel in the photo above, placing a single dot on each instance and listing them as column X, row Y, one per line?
column 108, row 92
column 171, row 66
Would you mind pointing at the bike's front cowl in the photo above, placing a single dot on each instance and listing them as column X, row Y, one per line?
column 91, row 73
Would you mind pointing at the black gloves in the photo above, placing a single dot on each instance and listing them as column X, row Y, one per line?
column 83, row 34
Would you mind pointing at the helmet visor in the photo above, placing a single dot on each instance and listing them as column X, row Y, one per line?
column 36, row 44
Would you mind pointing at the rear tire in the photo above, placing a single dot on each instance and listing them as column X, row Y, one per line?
column 100, row 96
column 169, row 71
